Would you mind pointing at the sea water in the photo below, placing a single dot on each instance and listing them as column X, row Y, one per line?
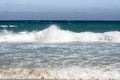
column 85, row 50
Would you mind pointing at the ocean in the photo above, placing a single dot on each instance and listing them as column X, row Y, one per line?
column 80, row 50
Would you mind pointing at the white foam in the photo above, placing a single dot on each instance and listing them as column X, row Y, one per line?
column 6, row 26
column 65, row 73
column 54, row 34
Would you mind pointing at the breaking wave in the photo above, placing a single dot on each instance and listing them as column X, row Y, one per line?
column 54, row 34
column 7, row 26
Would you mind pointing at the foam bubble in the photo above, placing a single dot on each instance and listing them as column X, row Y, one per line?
column 54, row 34
column 65, row 73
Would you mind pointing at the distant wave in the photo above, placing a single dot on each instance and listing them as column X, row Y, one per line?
column 6, row 26
column 54, row 34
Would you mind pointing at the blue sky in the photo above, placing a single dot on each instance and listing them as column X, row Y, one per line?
column 60, row 9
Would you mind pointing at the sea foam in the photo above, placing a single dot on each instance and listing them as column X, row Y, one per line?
column 7, row 26
column 54, row 34
column 74, row 73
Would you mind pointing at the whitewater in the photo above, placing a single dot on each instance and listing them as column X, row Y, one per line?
column 54, row 34
column 76, row 60
column 60, row 50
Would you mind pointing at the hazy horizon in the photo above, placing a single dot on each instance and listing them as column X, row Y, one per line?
column 59, row 10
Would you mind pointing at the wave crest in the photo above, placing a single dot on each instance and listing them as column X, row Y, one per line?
column 54, row 34
column 7, row 26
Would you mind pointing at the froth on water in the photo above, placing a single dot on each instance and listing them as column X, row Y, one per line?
column 54, row 34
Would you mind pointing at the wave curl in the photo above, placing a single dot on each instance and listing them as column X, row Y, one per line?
column 54, row 34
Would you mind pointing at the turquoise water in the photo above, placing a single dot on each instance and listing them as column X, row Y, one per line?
column 76, row 26
column 60, row 50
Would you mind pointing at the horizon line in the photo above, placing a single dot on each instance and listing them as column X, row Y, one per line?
column 58, row 20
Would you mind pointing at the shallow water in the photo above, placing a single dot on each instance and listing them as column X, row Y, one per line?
column 72, row 59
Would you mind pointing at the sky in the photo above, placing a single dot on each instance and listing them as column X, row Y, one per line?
column 59, row 9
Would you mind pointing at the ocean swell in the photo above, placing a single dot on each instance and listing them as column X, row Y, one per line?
column 54, row 34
